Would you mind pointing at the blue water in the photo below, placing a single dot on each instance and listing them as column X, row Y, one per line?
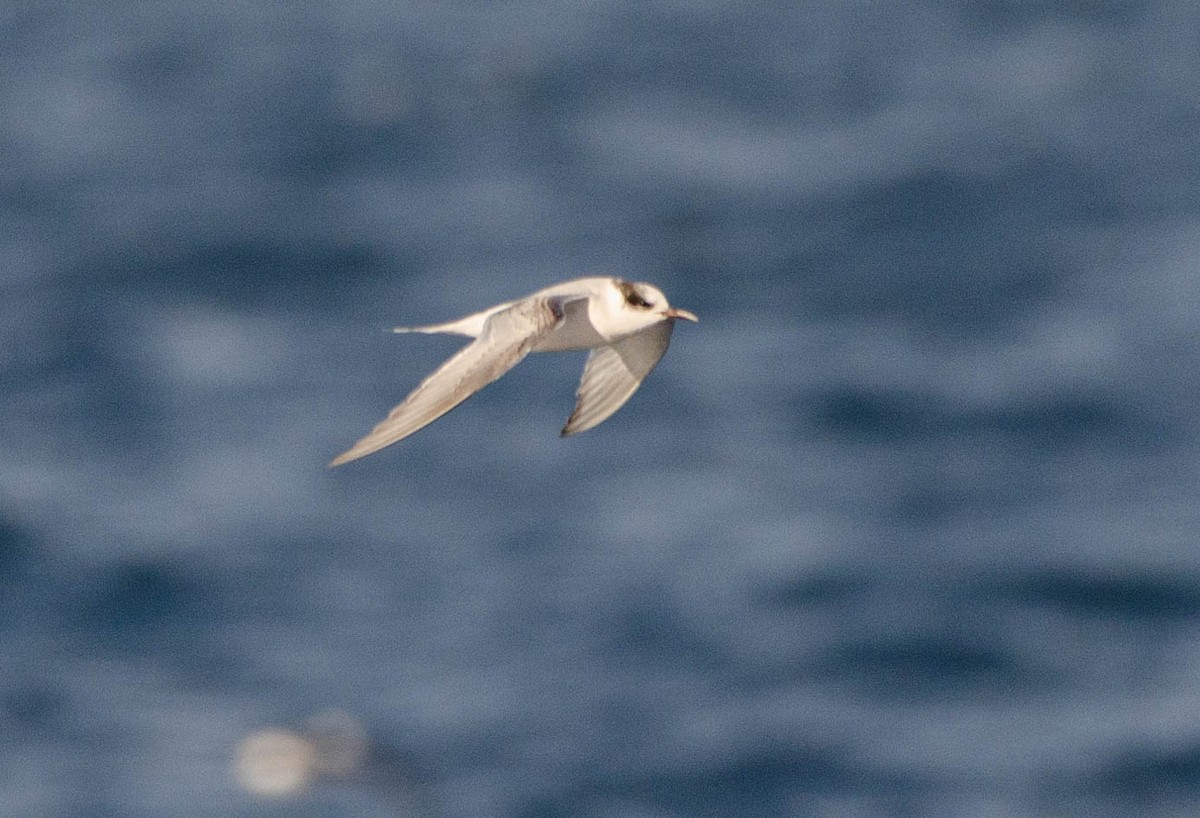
column 906, row 526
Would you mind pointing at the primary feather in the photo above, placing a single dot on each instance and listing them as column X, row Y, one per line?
column 507, row 337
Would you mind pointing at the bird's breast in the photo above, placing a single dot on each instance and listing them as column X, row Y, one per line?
column 568, row 336
column 576, row 331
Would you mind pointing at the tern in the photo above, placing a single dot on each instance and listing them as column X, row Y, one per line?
column 626, row 325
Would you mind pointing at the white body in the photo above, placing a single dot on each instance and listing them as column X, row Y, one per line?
column 589, row 322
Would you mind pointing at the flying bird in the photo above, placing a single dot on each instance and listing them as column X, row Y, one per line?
column 626, row 325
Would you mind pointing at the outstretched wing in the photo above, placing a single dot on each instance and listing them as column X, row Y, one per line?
column 613, row 373
column 507, row 337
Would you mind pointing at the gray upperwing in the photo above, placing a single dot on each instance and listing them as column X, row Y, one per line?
column 508, row 335
column 613, row 373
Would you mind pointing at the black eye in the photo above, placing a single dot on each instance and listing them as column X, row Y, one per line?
column 635, row 300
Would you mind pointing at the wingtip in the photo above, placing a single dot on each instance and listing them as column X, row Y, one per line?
column 344, row 457
column 572, row 428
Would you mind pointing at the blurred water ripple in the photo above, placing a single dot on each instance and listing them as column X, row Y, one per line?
column 905, row 526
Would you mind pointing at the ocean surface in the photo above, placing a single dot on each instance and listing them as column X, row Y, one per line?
column 907, row 525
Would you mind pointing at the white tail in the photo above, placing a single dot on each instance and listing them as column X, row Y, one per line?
column 470, row 326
